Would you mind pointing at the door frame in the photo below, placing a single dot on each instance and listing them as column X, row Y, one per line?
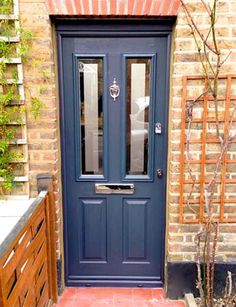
column 102, row 28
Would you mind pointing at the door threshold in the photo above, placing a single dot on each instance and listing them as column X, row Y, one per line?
column 115, row 283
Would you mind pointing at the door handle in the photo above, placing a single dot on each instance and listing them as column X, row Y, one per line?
column 159, row 172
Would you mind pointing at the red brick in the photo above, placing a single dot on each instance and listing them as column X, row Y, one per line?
column 139, row 6
column 69, row 7
column 113, row 7
column 78, row 7
column 166, row 7
column 104, row 9
column 147, row 7
column 130, row 7
column 86, row 7
column 121, row 8
column 51, row 7
column 94, row 4
column 135, row 7
column 174, row 8
column 156, row 8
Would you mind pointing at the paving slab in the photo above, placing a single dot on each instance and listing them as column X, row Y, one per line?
column 114, row 297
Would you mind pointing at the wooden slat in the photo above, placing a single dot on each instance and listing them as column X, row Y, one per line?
column 42, row 278
column 198, row 141
column 30, row 298
column 29, row 274
column 43, row 275
column 24, row 275
column 210, row 98
column 229, row 220
column 11, row 60
column 216, row 200
column 49, row 244
column 9, row 17
column 190, row 221
column 209, row 120
column 203, row 160
column 2, row 294
column 212, row 161
column 8, row 287
column 201, row 77
column 42, row 287
column 13, row 39
column 51, row 224
column 11, row 265
column 20, row 257
column 206, row 138
column 189, row 181
column 20, row 283
column 194, row 221
column 39, row 219
column 44, row 296
column 27, row 293
column 19, row 236
column 224, row 160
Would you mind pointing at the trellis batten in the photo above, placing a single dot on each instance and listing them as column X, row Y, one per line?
column 21, row 140
column 204, row 152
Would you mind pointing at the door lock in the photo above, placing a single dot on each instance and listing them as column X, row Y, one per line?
column 158, row 128
column 159, row 173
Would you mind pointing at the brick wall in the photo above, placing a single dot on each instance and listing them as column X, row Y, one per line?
column 43, row 134
column 180, row 242
column 40, row 81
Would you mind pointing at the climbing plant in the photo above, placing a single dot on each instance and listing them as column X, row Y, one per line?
column 12, row 109
column 212, row 60
column 6, row 7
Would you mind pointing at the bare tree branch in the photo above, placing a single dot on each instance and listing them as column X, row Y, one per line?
column 211, row 60
column 207, row 8
column 195, row 27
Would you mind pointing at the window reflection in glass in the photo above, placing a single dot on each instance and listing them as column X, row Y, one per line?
column 138, row 100
column 91, row 112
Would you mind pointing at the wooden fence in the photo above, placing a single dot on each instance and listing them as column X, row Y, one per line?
column 28, row 261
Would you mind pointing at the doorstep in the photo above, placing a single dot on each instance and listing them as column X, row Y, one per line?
column 112, row 297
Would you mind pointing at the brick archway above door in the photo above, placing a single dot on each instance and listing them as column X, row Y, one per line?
column 113, row 8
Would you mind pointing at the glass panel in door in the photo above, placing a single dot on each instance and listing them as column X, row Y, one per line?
column 91, row 114
column 138, row 75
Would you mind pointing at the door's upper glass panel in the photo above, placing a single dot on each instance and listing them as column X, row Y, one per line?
column 91, row 114
column 138, row 74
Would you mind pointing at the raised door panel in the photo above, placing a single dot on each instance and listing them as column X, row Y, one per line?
column 93, row 224
column 135, row 230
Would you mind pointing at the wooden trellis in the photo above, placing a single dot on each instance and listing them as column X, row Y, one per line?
column 21, row 176
column 204, row 149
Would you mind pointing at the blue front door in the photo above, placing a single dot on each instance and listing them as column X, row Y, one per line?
column 114, row 139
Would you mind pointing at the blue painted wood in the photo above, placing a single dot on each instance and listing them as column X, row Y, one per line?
column 92, row 232
column 136, row 231
column 127, row 246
